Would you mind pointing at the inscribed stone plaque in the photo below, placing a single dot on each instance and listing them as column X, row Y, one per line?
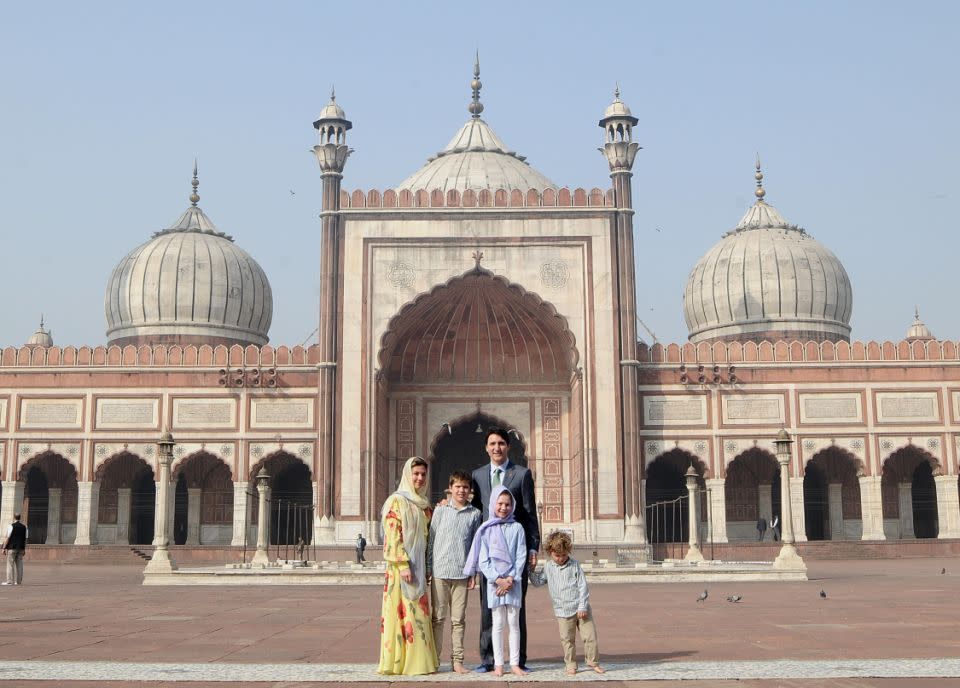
column 288, row 413
column 202, row 413
column 127, row 413
column 753, row 408
column 675, row 410
column 842, row 408
column 51, row 413
column 906, row 406
column 3, row 413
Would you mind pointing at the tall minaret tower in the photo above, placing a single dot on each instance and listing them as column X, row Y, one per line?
column 332, row 153
column 620, row 151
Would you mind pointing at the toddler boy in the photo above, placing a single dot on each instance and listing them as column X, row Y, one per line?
column 451, row 534
column 571, row 602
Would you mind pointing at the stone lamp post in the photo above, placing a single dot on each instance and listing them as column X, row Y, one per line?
column 260, row 558
column 788, row 558
column 161, row 562
column 694, row 554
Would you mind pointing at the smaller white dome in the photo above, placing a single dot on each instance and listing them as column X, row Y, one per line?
column 41, row 337
column 332, row 111
column 918, row 330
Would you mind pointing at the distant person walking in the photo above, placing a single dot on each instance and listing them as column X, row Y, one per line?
column 761, row 528
column 775, row 528
column 361, row 546
column 14, row 545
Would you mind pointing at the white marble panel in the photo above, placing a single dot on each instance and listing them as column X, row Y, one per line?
column 60, row 414
column 281, row 413
column 842, row 407
column 672, row 410
column 752, row 409
column 204, row 413
column 901, row 407
column 124, row 413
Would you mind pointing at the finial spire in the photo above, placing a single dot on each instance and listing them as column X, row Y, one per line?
column 616, row 92
column 760, row 192
column 476, row 107
column 194, row 197
column 916, row 315
column 333, row 94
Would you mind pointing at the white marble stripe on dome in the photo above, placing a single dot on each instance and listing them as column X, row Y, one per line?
column 230, row 672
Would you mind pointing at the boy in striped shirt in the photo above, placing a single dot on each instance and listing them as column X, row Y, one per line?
column 571, row 602
column 451, row 534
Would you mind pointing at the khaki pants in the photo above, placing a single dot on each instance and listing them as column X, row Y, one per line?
column 450, row 602
column 568, row 638
column 14, row 566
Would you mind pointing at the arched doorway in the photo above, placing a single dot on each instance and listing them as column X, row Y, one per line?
column 181, row 504
column 478, row 341
column 291, row 499
column 909, row 494
column 666, row 496
column 126, row 500
column 209, row 498
column 463, row 448
column 50, row 498
column 751, row 490
column 831, row 496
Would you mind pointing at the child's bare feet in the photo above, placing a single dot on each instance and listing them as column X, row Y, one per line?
column 599, row 669
column 571, row 671
column 498, row 671
column 518, row 671
column 460, row 669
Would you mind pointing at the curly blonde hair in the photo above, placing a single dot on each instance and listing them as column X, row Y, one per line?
column 558, row 542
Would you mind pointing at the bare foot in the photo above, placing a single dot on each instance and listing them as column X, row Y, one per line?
column 498, row 671
column 518, row 671
column 460, row 669
column 571, row 671
column 599, row 669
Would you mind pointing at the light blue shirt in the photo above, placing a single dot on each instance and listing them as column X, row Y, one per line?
column 567, row 585
column 517, row 544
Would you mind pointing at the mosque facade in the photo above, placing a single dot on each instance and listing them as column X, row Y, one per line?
column 478, row 292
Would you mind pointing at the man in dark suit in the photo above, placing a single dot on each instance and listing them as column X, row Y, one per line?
column 519, row 480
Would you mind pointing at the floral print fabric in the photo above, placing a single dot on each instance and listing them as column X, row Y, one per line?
column 406, row 629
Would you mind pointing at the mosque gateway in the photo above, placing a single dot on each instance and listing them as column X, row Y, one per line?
column 479, row 292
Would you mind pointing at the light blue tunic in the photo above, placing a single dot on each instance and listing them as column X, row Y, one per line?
column 516, row 543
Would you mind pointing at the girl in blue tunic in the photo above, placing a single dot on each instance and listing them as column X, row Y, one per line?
column 499, row 551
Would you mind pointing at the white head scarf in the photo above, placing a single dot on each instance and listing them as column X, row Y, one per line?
column 412, row 521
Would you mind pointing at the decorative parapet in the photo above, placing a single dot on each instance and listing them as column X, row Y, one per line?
column 157, row 356
column 500, row 198
column 800, row 352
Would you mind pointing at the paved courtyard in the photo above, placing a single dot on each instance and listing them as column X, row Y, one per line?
column 884, row 623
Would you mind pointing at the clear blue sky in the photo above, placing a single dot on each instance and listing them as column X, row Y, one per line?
column 853, row 107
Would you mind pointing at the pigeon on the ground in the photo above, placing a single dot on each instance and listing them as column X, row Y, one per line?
column 734, row 598
column 823, row 593
column 702, row 596
column 943, row 571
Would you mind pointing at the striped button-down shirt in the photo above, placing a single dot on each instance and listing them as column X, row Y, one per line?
column 567, row 585
column 451, row 534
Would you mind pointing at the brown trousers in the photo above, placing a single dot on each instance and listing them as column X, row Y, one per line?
column 568, row 638
column 450, row 602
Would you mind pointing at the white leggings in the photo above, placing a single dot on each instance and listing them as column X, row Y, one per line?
column 511, row 615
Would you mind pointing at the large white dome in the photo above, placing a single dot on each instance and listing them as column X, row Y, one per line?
column 768, row 279
column 189, row 284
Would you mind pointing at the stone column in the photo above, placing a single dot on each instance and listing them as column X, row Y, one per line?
column 123, row 516
column 241, row 513
column 905, row 493
column 797, row 507
column 765, row 502
column 693, row 522
column 948, row 506
column 88, row 508
column 261, row 558
column 835, row 510
column 871, row 508
column 193, row 515
column 162, row 562
column 718, row 510
column 54, row 495
column 788, row 558
column 12, row 501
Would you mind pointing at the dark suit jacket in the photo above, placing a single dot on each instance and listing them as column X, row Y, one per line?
column 519, row 480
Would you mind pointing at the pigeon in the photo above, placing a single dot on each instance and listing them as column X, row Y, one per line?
column 292, row 192
column 734, row 598
column 823, row 593
column 943, row 571
column 702, row 596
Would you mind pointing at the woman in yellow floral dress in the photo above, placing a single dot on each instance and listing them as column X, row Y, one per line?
column 406, row 630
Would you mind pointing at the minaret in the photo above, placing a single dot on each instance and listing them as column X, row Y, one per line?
column 620, row 151
column 332, row 153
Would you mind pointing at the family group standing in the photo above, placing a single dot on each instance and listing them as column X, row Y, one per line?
column 487, row 529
